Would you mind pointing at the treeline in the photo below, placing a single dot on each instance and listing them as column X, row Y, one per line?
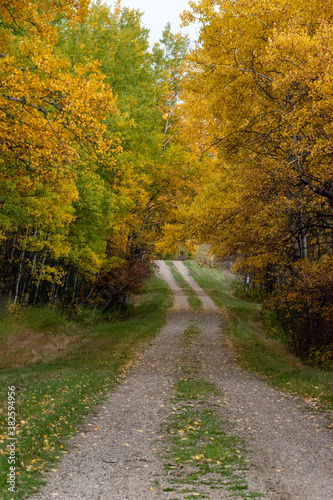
column 258, row 104
column 90, row 165
column 112, row 151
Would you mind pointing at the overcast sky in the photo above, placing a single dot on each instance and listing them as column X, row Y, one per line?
column 157, row 13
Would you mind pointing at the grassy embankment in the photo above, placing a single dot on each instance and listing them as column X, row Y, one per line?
column 255, row 348
column 61, row 370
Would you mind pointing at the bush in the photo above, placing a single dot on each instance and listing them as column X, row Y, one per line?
column 114, row 287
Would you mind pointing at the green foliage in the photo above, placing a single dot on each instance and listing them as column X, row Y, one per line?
column 274, row 326
column 322, row 357
column 99, row 186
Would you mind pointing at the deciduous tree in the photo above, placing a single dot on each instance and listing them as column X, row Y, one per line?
column 259, row 94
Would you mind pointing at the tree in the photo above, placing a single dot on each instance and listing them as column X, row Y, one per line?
column 52, row 121
column 151, row 171
column 261, row 73
column 93, row 168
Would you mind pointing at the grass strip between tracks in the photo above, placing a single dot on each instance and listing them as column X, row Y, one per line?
column 200, row 455
column 192, row 298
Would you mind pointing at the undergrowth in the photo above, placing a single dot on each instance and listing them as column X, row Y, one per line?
column 255, row 348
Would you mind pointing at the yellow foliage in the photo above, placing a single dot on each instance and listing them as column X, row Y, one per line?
column 257, row 101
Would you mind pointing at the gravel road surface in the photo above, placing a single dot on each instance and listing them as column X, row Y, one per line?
column 116, row 455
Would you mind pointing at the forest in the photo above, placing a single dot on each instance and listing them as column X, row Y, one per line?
column 114, row 154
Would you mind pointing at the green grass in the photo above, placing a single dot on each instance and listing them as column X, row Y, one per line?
column 192, row 298
column 197, row 445
column 54, row 393
column 195, row 388
column 255, row 348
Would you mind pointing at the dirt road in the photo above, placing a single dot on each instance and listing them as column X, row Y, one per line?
column 116, row 456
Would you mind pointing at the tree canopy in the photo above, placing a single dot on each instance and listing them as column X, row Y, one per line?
column 112, row 153
column 257, row 102
column 89, row 167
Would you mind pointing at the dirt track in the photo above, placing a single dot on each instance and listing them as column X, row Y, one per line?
column 116, row 455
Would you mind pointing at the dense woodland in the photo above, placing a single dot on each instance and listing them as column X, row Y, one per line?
column 259, row 98
column 113, row 153
column 89, row 170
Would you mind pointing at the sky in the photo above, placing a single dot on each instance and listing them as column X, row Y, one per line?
column 157, row 13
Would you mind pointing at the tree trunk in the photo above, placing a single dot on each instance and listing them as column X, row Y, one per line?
column 20, row 271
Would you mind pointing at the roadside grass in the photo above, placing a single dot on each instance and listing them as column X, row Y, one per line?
column 255, row 349
column 192, row 298
column 200, row 455
column 54, row 393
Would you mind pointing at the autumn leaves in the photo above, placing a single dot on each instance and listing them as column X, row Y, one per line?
column 257, row 105
column 53, row 135
column 86, row 171
column 111, row 152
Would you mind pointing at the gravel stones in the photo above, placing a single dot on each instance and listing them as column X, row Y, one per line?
column 116, row 455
